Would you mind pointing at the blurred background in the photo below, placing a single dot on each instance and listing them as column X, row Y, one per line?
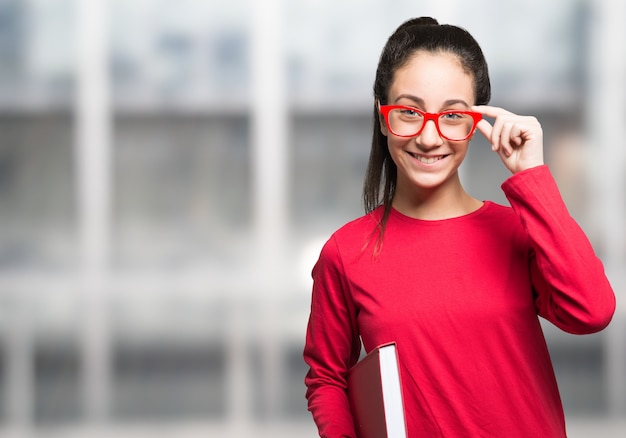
column 170, row 169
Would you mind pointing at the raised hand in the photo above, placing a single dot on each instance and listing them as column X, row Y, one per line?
column 518, row 140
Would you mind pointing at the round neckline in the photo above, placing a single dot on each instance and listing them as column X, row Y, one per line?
column 397, row 214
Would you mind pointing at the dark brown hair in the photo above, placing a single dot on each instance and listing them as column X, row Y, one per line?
column 414, row 35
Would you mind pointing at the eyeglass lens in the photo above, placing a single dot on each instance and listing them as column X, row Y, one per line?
column 451, row 125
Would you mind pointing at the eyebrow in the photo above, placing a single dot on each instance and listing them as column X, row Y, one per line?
column 420, row 101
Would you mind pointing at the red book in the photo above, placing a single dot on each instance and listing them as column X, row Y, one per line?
column 375, row 394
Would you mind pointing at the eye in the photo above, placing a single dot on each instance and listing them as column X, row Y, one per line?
column 410, row 112
column 452, row 116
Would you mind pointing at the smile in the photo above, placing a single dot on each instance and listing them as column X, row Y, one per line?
column 427, row 160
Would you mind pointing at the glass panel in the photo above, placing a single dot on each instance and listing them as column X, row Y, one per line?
column 57, row 380
column 181, row 142
column 191, row 52
column 580, row 373
column 328, row 158
column 3, row 384
column 182, row 190
column 36, row 155
column 164, row 382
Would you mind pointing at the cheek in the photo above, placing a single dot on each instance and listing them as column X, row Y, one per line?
column 396, row 146
column 461, row 150
column 392, row 145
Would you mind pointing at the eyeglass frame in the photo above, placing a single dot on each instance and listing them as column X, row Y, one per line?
column 386, row 109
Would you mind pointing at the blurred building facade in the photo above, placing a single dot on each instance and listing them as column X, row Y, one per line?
column 170, row 170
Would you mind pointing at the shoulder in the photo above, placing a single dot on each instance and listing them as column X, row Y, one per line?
column 497, row 219
column 351, row 238
column 364, row 224
column 498, row 210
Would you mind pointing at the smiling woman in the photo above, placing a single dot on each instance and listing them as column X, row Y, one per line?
column 456, row 282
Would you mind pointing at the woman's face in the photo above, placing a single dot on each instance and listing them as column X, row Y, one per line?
column 431, row 82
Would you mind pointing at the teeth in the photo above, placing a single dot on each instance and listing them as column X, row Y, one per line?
column 428, row 160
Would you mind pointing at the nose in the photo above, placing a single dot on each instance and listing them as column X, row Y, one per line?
column 429, row 137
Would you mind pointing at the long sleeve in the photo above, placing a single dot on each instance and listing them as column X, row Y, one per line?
column 572, row 289
column 332, row 346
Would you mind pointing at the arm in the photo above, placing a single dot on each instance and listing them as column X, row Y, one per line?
column 572, row 289
column 332, row 346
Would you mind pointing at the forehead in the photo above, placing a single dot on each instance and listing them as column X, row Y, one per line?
column 434, row 78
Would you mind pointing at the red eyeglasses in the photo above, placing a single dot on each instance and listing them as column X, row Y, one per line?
column 407, row 121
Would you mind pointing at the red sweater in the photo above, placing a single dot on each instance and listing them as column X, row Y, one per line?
column 460, row 297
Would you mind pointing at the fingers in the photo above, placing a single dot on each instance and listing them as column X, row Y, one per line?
column 498, row 134
column 505, row 137
column 485, row 128
column 509, row 131
column 490, row 111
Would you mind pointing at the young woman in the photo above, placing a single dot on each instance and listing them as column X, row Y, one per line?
column 458, row 283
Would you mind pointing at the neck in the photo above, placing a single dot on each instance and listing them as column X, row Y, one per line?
column 443, row 202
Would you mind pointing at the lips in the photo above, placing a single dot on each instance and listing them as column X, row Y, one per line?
column 431, row 159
